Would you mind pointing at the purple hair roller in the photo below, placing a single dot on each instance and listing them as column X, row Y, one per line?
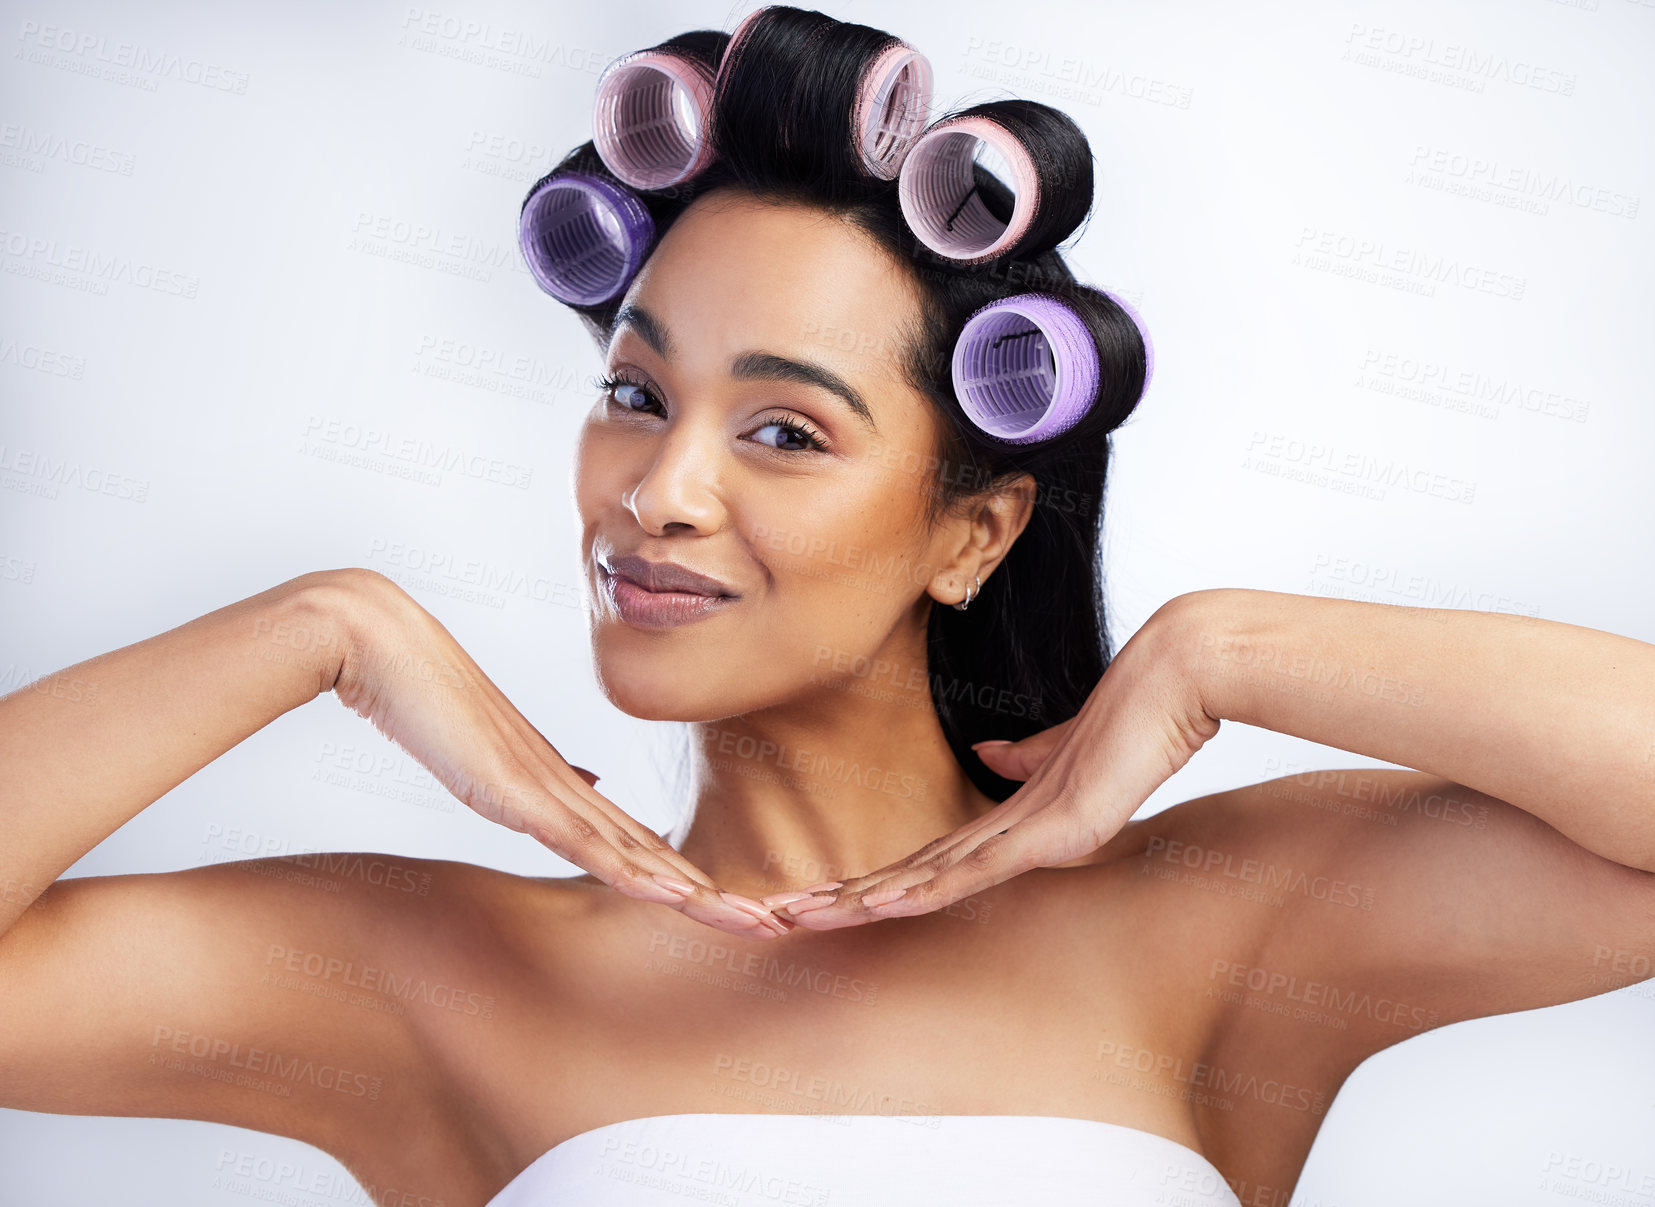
column 1025, row 368
column 650, row 120
column 1143, row 334
column 583, row 237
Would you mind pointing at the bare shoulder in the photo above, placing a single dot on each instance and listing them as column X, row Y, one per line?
column 1330, row 915
column 288, row 995
column 1365, row 905
column 359, row 1001
column 465, row 963
column 1205, row 888
column 1465, row 902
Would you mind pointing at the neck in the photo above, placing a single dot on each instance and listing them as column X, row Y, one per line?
column 832, row 785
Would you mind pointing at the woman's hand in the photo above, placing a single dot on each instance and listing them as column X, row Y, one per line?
column 1085, row 778
column 404, row 671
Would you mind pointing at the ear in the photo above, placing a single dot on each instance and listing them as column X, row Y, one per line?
column 995, row 520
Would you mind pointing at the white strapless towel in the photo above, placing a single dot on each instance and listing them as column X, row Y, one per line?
column 749, row 1160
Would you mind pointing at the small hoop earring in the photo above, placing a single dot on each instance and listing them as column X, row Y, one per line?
column 969, row 594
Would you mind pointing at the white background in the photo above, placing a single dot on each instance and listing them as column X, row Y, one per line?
column 337, row 187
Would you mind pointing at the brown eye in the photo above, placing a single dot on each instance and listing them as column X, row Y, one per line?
column 627, row 394
column 806, row 440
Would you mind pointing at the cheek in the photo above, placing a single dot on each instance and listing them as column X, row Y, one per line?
column 594, row 474
column 842, row 559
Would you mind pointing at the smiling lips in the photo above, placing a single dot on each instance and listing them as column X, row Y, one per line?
column 660, row 595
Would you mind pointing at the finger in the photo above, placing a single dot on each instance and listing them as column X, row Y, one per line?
column 539, row 763
column 605, row 847
column 639, row 862
column 940, row 851
column 1031, row 800
column 581, row 825
column 646, row 867
column 848, row 902
column 610, row 855
column 626, row 832
column 1021, row 759
column 1038, row 841
column 1026, row 800
column 1005, row 761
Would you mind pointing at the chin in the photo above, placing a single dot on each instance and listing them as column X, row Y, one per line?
column 645, row 707
column 653, row 684
column 656, row 687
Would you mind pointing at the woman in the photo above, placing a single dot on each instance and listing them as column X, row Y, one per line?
column 1131, row 1011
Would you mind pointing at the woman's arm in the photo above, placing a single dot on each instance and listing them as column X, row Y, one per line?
column 86, row 749
column 1549, row 723
column 1554, row 718
column 171, row 993
column 1351, row 913
column 219, row 992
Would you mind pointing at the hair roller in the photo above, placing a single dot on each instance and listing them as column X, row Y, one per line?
column 1051, row 181
column 738, row 36
column 1132, row 313
column 1025, row 368
column 583, row 237
column 820, row 99
column 893, row 103
column 649, row 123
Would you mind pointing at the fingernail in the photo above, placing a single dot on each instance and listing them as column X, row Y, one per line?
column 775, row 925
column 667, row 882
column 990, row 742
column 882, row 897
column 775, row 899
column 746, row 905
column 825, row 886
column 805, row 906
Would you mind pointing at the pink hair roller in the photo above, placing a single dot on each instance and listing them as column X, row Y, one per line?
column 938, row 191
column 892, row 107
column 893, row 102
column 649, row 124
column 737, row 34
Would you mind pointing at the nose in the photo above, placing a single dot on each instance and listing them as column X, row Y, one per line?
column 678, row 487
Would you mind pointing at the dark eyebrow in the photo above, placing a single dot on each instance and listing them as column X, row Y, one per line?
column 767, row 366
column 750, row 366
column 646, row 325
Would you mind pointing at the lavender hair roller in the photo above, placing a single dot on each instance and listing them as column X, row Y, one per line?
column 938, row 190
column 583, row 237
column 1143, row 334
column 1025, row 368
column 650, row 119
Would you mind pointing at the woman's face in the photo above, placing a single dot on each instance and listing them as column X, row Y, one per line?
column 722, row 454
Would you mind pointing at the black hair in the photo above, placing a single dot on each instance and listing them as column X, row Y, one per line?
column 1033, row 644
